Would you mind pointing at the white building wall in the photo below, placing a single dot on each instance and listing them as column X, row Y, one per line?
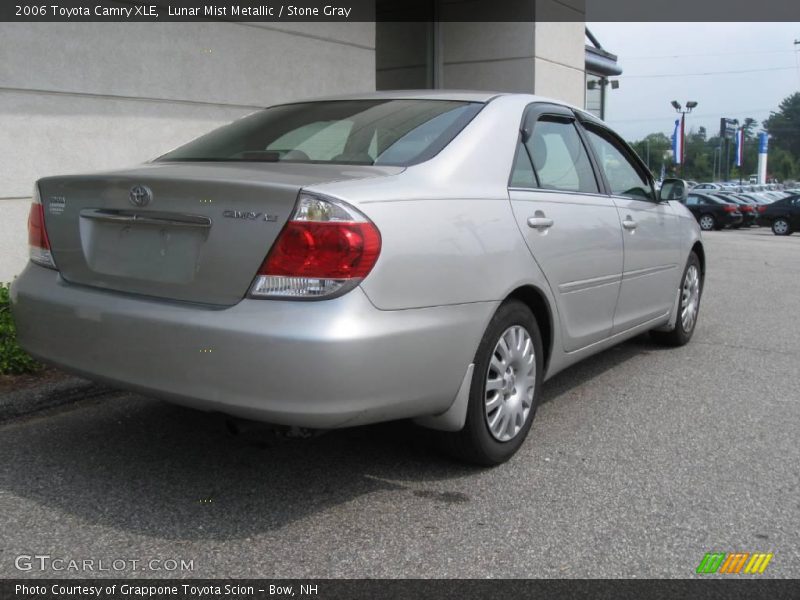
column 544, row 58
column 560, row 61
column 80, row 97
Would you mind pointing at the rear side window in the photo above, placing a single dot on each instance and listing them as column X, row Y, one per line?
column 522, row 176
column 560, row 161
column 363, row 132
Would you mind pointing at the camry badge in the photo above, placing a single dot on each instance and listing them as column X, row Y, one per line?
column 249, row 216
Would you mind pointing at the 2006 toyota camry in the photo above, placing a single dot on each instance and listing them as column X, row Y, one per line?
column 339, row 262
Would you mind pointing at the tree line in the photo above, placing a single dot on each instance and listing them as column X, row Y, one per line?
column 709, row 157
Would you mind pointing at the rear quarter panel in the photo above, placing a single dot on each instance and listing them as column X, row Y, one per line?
column 448, row 233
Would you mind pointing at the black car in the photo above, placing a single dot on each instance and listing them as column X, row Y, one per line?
column 782, row 215
column 748, row 208
column 713, row 212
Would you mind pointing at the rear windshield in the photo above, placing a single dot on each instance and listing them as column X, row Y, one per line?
column 359, row 132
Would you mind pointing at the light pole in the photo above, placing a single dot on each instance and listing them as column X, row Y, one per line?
column 683, row 111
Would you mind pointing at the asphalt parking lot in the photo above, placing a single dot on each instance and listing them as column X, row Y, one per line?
column 640, row 461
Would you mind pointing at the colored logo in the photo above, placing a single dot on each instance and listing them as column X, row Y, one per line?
column 734, row 562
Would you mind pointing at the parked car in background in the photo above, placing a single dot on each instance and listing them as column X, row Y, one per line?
column 713, row 212
column 757, row 197
column 783, row 216
column 748, row 209
column 433, row 256
column 707, row 186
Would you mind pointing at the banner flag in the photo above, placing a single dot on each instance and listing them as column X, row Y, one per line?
column 677, row 143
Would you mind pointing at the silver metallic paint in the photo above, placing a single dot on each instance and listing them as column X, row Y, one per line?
column 313, row 364
column 455, row 243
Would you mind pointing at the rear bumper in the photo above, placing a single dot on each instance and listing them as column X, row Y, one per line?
column 324, row 364
column 728, row 219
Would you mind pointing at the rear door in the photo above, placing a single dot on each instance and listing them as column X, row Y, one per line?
column 572, row 230
column 693, row 203
column 650, row 231
column 794, row 213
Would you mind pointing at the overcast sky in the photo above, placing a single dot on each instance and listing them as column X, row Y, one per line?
column 659, row 58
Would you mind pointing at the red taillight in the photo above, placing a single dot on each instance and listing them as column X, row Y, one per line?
column 37, row 234
column 747, row 208
column 729, row 208
column 337, row 250
column 325, row 249
column 38, row 242
column 762, row 209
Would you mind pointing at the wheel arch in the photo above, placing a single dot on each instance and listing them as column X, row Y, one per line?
column 698, row 249
column 535, row 299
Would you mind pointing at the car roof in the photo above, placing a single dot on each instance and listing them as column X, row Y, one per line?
column 455, row 95
column 706, row 194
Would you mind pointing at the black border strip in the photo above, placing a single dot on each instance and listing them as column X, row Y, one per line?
column 711, row 587
column 400, row 10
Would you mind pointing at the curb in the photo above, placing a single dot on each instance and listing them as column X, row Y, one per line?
column 52, row 394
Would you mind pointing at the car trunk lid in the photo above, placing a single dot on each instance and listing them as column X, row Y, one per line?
column 194, row 232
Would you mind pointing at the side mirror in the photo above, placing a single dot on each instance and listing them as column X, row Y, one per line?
column 673, row 189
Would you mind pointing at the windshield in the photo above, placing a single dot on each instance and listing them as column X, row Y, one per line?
column 359, row 132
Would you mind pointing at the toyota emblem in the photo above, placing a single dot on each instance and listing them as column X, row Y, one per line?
column 140, row 195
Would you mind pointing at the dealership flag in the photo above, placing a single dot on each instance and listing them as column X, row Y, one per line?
column 739, row 147
column 677, row 143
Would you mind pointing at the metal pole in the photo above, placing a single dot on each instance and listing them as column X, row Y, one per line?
column 714, row 166
column 739, row 149
column 683, row 143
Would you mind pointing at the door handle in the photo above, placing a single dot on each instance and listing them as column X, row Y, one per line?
column 629, row 223
column 540, row 223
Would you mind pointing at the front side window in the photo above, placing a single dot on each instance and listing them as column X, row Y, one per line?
column 559, row 157
column 692, row 201
column 623, row 177
column 362, row 132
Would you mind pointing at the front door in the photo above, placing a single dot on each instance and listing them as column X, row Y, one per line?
column 650, row 232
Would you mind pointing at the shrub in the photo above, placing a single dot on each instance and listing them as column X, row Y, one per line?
column 13, row 359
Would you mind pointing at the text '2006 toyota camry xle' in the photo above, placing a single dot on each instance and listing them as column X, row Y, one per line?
column 333, row 263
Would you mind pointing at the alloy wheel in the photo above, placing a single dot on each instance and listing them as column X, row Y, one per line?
column 780, row 227
column 706, row 223
column 690, row 298
column 510, row 384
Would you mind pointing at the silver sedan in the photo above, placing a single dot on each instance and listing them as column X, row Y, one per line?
column 332, row 263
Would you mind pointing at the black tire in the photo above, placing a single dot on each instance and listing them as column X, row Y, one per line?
column 711, row 222
column 785, row 230
column 679, row 336
column 475, row 443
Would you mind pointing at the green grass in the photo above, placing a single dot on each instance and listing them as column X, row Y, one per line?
column 13, row 359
